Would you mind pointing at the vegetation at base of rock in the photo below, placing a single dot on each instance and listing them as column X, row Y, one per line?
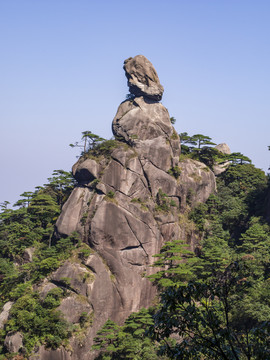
column 39, row 320
column 130, row 341
column 31, row 227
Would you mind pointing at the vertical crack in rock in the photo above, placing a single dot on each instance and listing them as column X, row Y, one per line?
column 146, row 178
column 133, row 232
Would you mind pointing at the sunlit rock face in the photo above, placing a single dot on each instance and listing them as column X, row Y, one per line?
column 142, row 78
column 125, row 207
column 220, row 168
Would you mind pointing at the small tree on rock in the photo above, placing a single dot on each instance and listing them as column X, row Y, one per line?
column 88, row 141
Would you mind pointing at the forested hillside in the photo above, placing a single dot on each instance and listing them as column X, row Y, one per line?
column 28, row 256
column 213, row 302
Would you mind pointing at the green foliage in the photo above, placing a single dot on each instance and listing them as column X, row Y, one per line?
column 32, row 226
column 43, row 209
column 214, row 304
column 217, row 302
column 141, row 202
column 53, row 297
column 195, row 141
column 174, row 135
column 256, row 239
column 65, row 281
column 86, row 319
column 172, row 120
column 84, row 252
column 33, row 222
column 84, row 218
column 177, row 263
column 26, row 199
column 164, row 203
column 95, row 146
column 241, row 194
column 38, row 320
column 110, row 194
column 88, row 141
column 175, row 171
column 210, row 156
column 130, row 341
column 246, row 177
column 199, row 147
column 106, row 147
column 210, row 318
column 60, row 186
column 106, row 338
column 238, row 158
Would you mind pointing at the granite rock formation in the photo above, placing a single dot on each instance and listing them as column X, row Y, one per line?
column 220, row 168
column 142, row 78
column 125, row 207
column 5, row 313
column 14, row 342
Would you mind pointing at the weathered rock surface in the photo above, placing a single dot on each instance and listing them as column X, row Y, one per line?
column 28, row 254
column 5, row 313
column 126, row 206
column 220, row 168
column 224, row 148
column 73, row 306
column 86, row 171
column 197, row 182
column 13, row 342
column 46, row 354
column 142, row 78
column 70, row 219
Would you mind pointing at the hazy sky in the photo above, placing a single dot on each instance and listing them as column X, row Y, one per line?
column 61, row 73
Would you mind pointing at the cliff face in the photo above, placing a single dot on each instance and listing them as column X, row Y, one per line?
column 126, row 205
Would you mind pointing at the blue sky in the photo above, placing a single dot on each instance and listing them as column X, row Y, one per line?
column 61, row 73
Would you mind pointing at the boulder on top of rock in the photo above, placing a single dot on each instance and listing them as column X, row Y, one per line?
column 142, row 78
column 86, row 170
column 141, row 119
column 220, row 168
column 224, row 148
